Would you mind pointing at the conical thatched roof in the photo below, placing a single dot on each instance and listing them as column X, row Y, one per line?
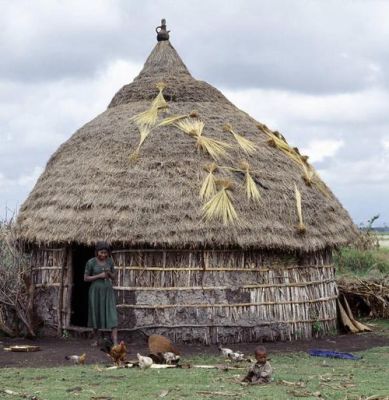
column 91, row 190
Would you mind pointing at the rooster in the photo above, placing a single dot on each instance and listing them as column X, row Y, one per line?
column 78, row 360
column 144, row 362
column 117, row 353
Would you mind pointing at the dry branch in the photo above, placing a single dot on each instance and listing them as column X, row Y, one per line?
column 16, row 286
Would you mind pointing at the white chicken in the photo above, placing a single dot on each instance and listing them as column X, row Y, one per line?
column 78, row 360
column 170, row 358
column 144, row 362
column 236, row 356
column 225, row 351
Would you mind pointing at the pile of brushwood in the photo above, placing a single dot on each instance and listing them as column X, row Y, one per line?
column 367, row 297
column 363, row 276
column 16, row 286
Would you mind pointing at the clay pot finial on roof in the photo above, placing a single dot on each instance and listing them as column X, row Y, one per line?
column 162, row 33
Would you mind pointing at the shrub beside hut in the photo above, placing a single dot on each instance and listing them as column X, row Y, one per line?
column 221, row 232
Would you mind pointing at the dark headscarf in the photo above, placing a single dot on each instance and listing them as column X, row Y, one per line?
column 102, row 246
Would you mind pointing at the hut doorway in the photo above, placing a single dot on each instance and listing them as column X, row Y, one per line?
column 80, row 255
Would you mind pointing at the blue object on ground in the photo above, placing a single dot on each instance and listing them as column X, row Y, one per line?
column 333, row 354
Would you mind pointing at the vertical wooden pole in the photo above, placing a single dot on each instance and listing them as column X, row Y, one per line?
column 61, row 290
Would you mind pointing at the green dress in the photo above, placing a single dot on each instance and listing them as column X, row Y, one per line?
column 102, row 312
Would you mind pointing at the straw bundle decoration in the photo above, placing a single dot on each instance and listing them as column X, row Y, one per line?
column 311, row 177
column 300, row 227
column 144, row 132
column 149, row 117
column 194, row 128
column 309, row 174
column 175, row 118
column 159, row 102
column 220, row 206
column 247, row 145
column 208, row 188
column 252, row 191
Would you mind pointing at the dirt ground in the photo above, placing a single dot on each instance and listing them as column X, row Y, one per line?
column 54, row 350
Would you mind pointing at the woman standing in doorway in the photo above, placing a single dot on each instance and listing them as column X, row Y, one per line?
column 102, row 312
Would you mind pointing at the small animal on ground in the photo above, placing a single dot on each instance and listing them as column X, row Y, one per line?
column 236, row 356
column 161, row 344
column 225, row 351
column 117, row 353
column 144, row 362
column 170, row 358
column 78, row 360
column 261, row 371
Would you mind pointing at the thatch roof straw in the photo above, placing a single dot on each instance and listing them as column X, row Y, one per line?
column 90, row 191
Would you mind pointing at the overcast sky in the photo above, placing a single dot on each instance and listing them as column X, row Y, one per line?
column 318, row 71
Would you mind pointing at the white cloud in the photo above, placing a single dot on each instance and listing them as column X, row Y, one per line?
column 385, row 143
column 25, row 181
column 278, row 106
column 36, row 118
column 319, row 149
column 28, row 180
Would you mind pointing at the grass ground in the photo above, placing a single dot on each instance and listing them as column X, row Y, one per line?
column 332, row 378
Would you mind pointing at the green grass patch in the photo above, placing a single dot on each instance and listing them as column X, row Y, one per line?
column 373, row 263
column 334, row 379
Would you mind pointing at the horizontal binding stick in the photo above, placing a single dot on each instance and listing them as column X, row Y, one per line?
column 43, row 249
column 43, row 267
column 137, row 268
column 258, row 286
column 53, row 284
column 219, row 325
column 151, row 306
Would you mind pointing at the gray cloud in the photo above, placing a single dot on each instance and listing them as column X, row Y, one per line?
column 314, row 70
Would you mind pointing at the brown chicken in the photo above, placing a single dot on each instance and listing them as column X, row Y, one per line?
column 117, row 353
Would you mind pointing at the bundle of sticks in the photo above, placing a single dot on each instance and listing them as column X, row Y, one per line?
column 374, row 294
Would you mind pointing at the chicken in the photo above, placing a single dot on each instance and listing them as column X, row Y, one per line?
column 161, row 344
column 170, row 358
column 117, row 353
column 236, row 356
column 225, row 351
column 144, row 362
column 78, row 360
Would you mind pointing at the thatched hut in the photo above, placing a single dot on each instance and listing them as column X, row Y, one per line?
column 221, row 232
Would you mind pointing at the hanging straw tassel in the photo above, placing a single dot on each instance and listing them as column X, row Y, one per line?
column 173, row 119
column 275, row 139
column 144, row 132
column 220, row 206
column 191, row 127
column 146, row 118
column 159, row 102
column 247, row 145
column 309, row 174
column 311, row 178
column 194, row 128
column 252, row 191
column 208, row 188
column 300, row 227
column 149, row 117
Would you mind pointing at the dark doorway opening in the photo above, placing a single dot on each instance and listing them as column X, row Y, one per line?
column 80, row 256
